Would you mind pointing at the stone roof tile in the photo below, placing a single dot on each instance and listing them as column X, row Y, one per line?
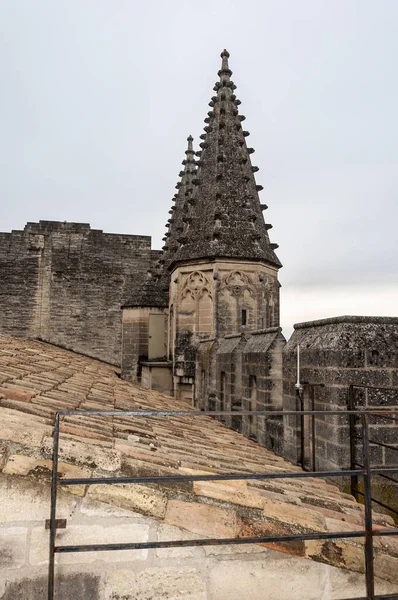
column 177, row 445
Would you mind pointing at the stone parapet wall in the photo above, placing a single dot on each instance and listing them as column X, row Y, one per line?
column 334, row 354
column 65, row 283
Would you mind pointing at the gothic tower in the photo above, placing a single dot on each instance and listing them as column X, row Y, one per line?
column 223, row 267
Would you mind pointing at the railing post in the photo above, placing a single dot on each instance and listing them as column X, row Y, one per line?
column 368, row 511
column 313, row 423
column 51, row 561
column 352, row 421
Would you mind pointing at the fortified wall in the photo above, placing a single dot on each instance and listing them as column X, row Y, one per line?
column 65, row 283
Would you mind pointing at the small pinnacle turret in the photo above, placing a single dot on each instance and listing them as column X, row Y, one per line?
column 222, row 218
column 181, row 209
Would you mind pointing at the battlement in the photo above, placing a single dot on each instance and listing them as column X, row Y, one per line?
column 64, row 282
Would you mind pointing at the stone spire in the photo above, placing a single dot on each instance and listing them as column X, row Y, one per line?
column 181, row 209
column 225, row 218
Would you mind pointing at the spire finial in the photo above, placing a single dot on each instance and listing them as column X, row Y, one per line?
column 225, row 72
column 190, row 146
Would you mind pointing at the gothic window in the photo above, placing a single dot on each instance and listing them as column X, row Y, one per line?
column 197, row 303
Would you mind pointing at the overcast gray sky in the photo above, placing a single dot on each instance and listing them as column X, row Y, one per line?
column 97, row 98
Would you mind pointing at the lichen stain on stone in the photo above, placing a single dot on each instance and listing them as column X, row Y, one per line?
column 332, row 553
column 67, row 587
column 6, row 557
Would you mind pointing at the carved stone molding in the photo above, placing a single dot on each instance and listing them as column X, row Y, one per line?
column 237, row 282
column 197, row 284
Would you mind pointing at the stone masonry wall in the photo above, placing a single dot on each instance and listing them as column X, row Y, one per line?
column 215, row 300
column 201, row 573
column 65, row 283
column 336, row 353
column 244, row 372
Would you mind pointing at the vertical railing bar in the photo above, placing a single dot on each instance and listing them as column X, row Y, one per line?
column 313, row 429
column 302, row 425
column 352, row 422
column 53, row 511
column 368, row 512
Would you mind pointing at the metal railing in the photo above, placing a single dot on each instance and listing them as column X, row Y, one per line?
column 354, row 438
column 365, row 472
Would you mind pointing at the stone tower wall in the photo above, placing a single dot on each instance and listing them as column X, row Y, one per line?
column 243, row 371
column 65, row 283
column 215, row 299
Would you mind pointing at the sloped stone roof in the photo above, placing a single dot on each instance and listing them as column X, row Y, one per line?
column 37, row 379
column 223, row 218
column 151, row 293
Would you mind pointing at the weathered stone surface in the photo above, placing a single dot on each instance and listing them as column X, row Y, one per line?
column 252, row 579
column 73, row 280
column 227, row 492
column 169, row 533
column 23, row 500
column 13, row 544
column 257, row 528
column 173, row 583
column 206, row 520
column 89, row 534
column 16, row 427
column 67, row 587
column 225, row 191
column 85, row 454
column 339, row 352
column 294, row 515
column 140, row 498
column 16, row 393
column 19, row 464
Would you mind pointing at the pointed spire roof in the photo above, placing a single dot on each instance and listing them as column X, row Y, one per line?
column 225, row 218
column 180, row 211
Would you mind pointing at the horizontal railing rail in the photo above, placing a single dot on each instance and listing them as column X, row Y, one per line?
column 365, row 472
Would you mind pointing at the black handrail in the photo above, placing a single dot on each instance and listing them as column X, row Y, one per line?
column 366, row 472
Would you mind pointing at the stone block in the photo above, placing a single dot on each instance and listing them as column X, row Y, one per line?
column 339, row 553
column 89, row 534
column 226, row 491
column 169, row 533
column 171, row 583
column 18, row 464
column 139, row 498
column 292, row 514
column 204, row 519
column 87, row 455
column 256, row 528
column 386, row 567
column 30, row 435
column 24, row 500
column 13, row 542
column 93, row 509
column 273, row 578
column 67, row 587
column 14, row 392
